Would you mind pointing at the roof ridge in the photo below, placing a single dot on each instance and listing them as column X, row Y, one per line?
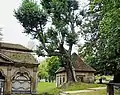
column 79, row 65
column 5, row 45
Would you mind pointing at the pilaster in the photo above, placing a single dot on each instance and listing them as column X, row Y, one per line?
column 34, row 81
column 8, row 81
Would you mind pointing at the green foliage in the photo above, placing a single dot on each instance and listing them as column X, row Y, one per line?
column 42, row 69
column 62, row 16
column 53, row 66
column 30, row 16
column 102, row 49
column 48, row 68
column 34, row 19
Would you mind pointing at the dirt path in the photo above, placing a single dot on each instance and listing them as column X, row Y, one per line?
column 81, row 91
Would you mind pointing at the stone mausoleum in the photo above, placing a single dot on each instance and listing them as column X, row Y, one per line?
column 18, row 70
column 82, row 72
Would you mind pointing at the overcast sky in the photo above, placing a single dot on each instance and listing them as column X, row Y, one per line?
column 12, row 30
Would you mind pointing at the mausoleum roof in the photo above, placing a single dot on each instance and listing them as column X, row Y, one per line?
column 11, row 46
column 79, row 65
column 16, row 53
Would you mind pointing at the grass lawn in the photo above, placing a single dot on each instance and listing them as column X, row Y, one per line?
column 97, row 92
column 45, row 87
column 82, row 86
column 51, row 88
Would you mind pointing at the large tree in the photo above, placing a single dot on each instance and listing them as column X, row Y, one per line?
column 53, row 24
column 105, row 48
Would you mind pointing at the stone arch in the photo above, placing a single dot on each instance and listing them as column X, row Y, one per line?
column 21, row 70
column 3, row 79
column 21, row 81
column 3, row 74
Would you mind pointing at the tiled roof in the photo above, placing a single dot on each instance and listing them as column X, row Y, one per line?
column 13, row 46
column 17, row 53
column 78, row 65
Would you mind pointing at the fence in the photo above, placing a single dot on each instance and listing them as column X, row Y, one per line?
column 113, row 89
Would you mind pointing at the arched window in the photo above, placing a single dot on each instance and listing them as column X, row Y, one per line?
column 21, row 83
column 2, row 82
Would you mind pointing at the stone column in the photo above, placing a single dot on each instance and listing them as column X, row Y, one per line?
column 8, row 81
column 34, row 81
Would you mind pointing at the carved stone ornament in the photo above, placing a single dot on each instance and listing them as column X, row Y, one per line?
column 9, row 68
column 22, row 70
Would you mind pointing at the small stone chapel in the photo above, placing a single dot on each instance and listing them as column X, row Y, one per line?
column 18, row 70
column 82, row 72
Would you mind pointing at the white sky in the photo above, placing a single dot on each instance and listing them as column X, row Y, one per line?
column 12, row 30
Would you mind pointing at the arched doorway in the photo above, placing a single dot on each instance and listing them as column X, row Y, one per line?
column 2, row 84
column 21, row 84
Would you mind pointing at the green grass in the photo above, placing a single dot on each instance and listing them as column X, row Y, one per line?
column 51, row 88
column 117, row 91
column 82, row 86
column 45, row 87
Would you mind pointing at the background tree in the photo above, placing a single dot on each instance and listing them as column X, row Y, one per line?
column 52, row 66
column 48, row 67
column 64, row 17
column 105, row 49
column 42, row 70
column 90, row 33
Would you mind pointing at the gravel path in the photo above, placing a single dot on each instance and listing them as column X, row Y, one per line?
column 80, row 91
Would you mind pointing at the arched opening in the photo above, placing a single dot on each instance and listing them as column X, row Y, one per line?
column 2, row 84
column 21, row 84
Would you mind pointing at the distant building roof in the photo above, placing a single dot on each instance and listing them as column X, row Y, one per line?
column 78, row 65
column 16, row 53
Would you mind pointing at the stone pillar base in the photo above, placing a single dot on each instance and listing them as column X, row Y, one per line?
column 7, row 93
column 34, row 93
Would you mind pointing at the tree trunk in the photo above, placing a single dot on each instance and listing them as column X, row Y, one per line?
column 66, row 62
column 116, row 77
column 70, row 73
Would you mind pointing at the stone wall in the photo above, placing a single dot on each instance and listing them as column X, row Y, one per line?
column 61, row 78
column 87, row 77
column 9, row 72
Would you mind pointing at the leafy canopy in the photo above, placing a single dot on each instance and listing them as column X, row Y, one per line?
column 61, row 31
column 102, row 49
column 52, row 23
column 48, row 68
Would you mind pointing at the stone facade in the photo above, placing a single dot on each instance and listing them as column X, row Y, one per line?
column 82, row 72
column 87, row 77
column 17, row 76
column 61, row 78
